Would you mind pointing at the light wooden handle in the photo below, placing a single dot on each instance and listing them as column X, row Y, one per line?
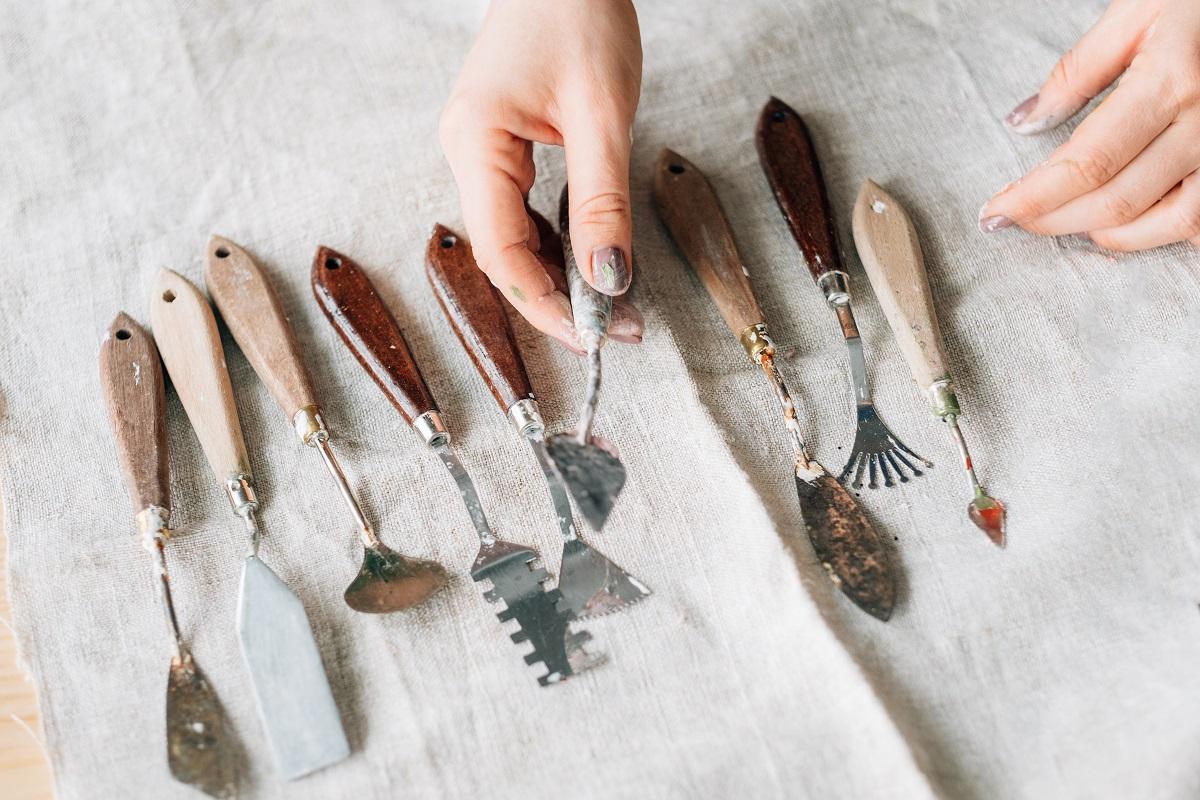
column 186, row 332
column 891, row 254
column 132, row 379
column 689, row 207
column 255, row 317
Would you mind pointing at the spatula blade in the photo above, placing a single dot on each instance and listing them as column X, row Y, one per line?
column 294, row 699
column 847, row 544
column 593, row 476
column 592, row 585
column 199, row 751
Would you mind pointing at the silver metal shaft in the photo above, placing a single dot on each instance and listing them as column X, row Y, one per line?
column 164, row 587
column 558, row 493
column 366, row 530
column 952, row 422
column 591, row 397
column 766, row 360
column 466, row 489
column 854, row 346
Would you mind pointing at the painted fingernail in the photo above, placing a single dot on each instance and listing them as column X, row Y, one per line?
column 996, row 222
column 1021, row 113
column 627, row 324
column 610, row 274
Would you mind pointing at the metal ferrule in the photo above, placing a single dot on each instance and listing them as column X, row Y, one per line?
column 757, row 341
column 309, row 425
column 152, row 525
column 430, row 426
column 835, row 285
column 241, row 494
column 527, row 418
column 941, row 394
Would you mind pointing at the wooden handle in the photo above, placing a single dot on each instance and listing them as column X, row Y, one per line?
column 789, row 159
column 476, row 312
column 689, row 207
column 358, row 314
column 891, row 254
column 591, row 310
column 132, row 379
column 255, row 317
column 186, row 332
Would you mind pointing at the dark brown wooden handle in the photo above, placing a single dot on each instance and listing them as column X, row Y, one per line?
column 358, row 314
column 789, row 159
column 689, row 207
column 132, row 379
column 476, row 312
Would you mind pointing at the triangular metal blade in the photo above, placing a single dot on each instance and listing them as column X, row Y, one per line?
column 294, row 698
column 593, row 475
column 592, row 585
column 200, row 751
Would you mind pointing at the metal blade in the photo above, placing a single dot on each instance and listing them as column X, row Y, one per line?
column 199, row 750
column 542, row 616
column 846, row 544
column 593, row 475
column 294, row 698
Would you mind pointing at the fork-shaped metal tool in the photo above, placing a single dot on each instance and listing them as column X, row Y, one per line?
column 361, row 318
column 789, row 160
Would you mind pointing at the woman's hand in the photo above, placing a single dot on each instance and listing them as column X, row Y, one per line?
column 561, row 72
column 1128, row 175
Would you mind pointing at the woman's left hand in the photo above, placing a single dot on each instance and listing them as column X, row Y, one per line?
column 1128, row 175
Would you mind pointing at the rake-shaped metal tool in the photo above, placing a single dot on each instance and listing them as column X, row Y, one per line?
column 368, row 328
column 591, row 584
column 199, row 750
column 789, row 160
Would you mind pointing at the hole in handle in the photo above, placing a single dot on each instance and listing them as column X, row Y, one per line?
column 221, row 252
column 448, row 242
column 332, row 263
column 677, row 169
column 123, row 334
column 778, row 116
column 168, row 296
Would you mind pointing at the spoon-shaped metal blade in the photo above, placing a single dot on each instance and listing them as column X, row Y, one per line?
column 199, row 752
column 989, row 515
column 389, row 581
column 593, row 475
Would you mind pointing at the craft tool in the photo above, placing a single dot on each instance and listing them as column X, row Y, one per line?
column 359, row 315
column 789, row 160
column 593, row 473
column 294, row 698
column 199, row 752
column 844, row 540
column 891, row 254
column 590, row 583
column 387, row 580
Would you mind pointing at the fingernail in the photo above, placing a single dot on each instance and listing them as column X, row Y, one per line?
column 609, row 270
column 626, row 324
column 996, row 222
column 562, row 313
column 1021, row 113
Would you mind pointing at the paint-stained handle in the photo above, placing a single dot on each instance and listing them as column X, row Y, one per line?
column 591, row 310
column 252, row 311
column 789, row 159
column 891, row 254
column 359, row 315
column 688, row 206
column 476, row 312
column 132, row 379
column 186, row 332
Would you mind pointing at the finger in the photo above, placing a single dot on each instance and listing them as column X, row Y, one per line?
column 1097, row 59
column 626, row 324
column 597, row 150
column 1111, row 136
column 1169, row 159
column 1175, row 218
column 493, row 203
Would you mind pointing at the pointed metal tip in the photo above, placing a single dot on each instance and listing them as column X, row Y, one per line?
column 990, row 516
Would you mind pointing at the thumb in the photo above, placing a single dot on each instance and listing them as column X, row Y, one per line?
column 1087, row 69
column 601, row 222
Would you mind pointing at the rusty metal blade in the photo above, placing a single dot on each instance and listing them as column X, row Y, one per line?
column 294, row 698
column 199, row 750
column 847, row 545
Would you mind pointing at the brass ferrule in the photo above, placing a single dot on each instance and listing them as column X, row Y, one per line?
column 941, row 394
column 152, row 525
column 757, row 341
column 430, row 426
column 309, row 425
column 835, row 285
column 527, row 418
column 241, row 494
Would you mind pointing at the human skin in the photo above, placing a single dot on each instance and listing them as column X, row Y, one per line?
column 559, row 72
column 1127, row 177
